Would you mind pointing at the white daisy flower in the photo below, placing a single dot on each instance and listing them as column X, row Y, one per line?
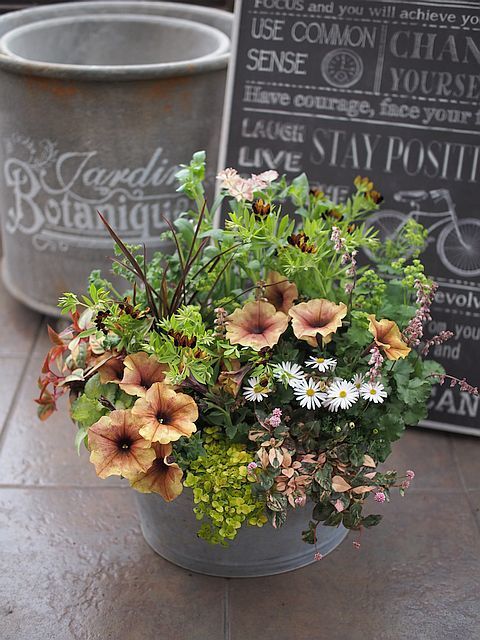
column 357, row 380
column 373, row 391
column 309, row 394
column 256, row 392
column 341, row 394
column 289, row 373
column 322, row 364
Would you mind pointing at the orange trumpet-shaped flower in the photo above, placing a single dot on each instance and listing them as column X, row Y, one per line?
column 141, row 371
column 388, row 337
column 280, row 292
column 165, row 415
column 110, row 366
column 257, row 325
column 117, row 448
column 316, row 317
column 163, row 477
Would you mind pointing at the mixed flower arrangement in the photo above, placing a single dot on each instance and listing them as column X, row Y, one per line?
column 259, row 365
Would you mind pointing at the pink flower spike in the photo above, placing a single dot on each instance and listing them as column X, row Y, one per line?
column 410, row 474
column 380, row 497
column 274, row 421
column 301, row 501
column 317, row 556
column 251, row 467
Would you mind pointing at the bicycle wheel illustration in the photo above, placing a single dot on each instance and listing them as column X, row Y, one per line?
column 387, row 224
column 459, row 247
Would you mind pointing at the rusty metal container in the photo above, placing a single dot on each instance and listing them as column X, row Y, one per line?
column 99, row 104
column 170, row 529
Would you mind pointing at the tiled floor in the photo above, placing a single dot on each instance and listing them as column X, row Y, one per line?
column 74, row 566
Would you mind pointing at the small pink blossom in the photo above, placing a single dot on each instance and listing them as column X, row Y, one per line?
column 264, row 179
column 300, row 501
column 336, row 238
column 410, row 474
column 228, row 178
column 380, row 497
column 442, row 337
column 317, row 556
column 276, row 418
column 405, row 484
column 414, row 331
column 251, row 467
column 375, row 362
column 242, row 189
column 356, row 544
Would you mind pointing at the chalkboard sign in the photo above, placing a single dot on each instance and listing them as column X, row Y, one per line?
column 386, row 89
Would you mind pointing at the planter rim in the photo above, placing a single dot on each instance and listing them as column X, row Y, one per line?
column 170, row 529
column 12, row 23
column 109, row 71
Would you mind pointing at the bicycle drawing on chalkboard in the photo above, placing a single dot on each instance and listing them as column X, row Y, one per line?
column 458, row 243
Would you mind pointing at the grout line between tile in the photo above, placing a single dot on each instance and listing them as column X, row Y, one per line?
column 464, row 484
column 226, row 611
column 457, row 464
column 13, row 405
column 14, row 356
column 99, row 487
column 61, row 487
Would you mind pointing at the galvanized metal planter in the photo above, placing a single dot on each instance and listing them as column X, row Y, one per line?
column 89, row 120
column 170, row 529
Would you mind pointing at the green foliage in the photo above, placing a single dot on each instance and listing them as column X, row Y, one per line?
column 191, row 176
column 185, row 345
column 410, row 240
column 222, row 492
column 186, row 450
column 179, row 309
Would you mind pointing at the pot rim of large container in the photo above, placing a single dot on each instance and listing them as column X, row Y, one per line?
column 107, row 71
column 26, row 18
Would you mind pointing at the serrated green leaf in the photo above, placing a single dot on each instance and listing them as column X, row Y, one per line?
column 94, row 389
column 86, row 411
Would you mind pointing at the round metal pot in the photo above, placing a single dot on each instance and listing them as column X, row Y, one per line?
column 100, row 103
column 171, row 530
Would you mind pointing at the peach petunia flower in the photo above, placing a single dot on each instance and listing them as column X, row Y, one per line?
column 388, row 337
column 141, row 371
column 109, row 366
column 257, row 325
column 317, row 317
column 165, row 415
column 117, row 447
column 163, row 477
column 280, row 292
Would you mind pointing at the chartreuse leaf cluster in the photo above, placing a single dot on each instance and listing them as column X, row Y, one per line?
column 222, row 493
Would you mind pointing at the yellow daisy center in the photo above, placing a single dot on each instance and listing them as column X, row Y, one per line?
column 320, row 360
column 373, row 392
column 343, row 394
column 310, row 392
